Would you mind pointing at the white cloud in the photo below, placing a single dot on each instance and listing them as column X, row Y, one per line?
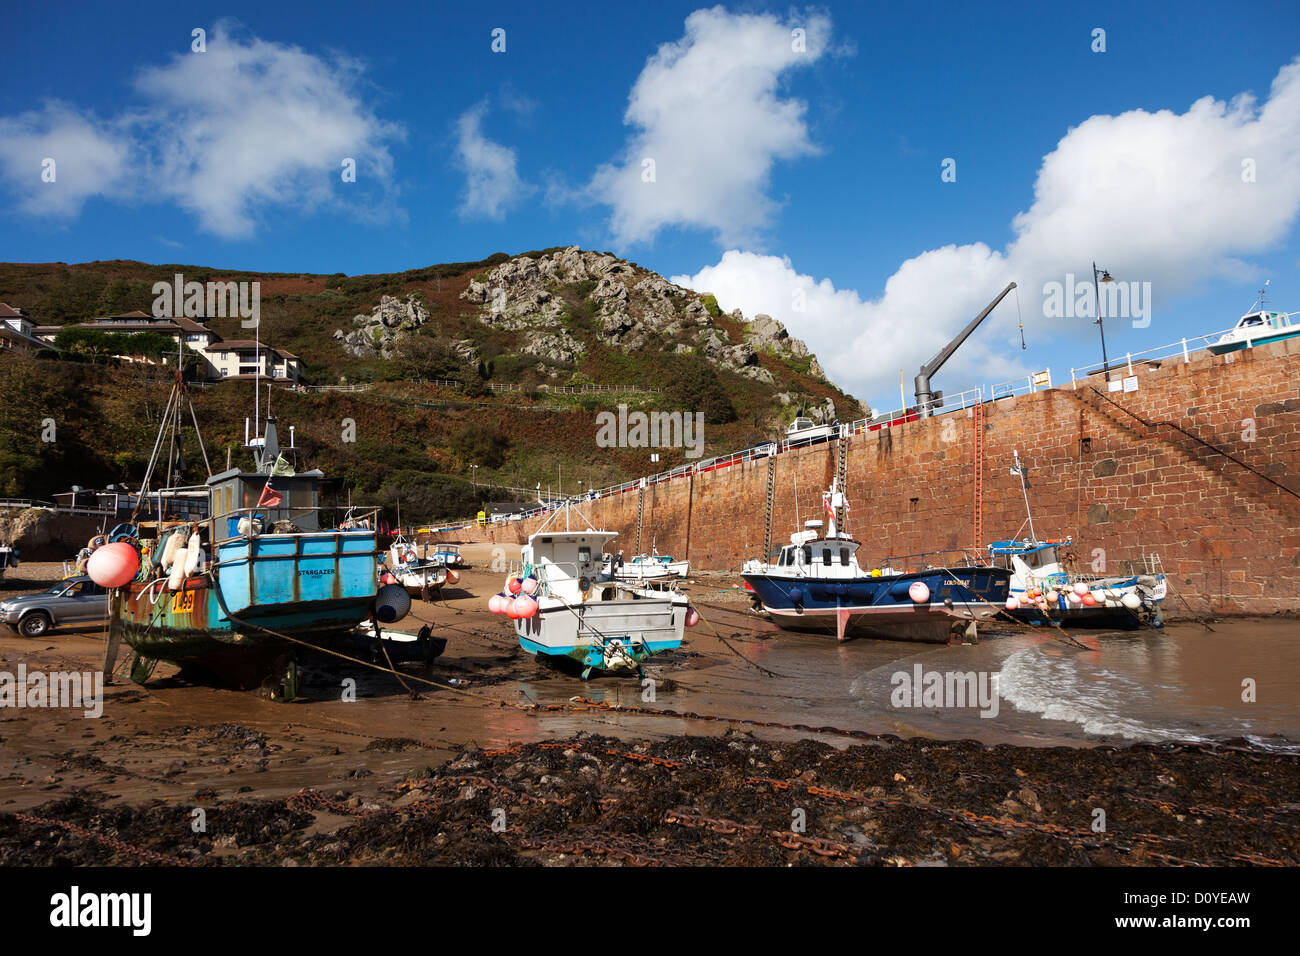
column 226, row 134
column 707, row 111
column 1153, row 197
column 90, row 158
column 492, row 183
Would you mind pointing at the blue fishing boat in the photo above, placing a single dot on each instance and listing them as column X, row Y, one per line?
column 1048, row 588
column 815, row 584
column 239, row 593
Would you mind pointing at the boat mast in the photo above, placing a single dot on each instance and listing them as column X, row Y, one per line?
column 1019, row 470
column 1259, row 302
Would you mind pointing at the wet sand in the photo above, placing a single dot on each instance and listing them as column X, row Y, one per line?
column 745, row 728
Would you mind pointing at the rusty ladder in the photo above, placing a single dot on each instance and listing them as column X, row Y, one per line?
column 842, row 476
column 771, row 503
column 978, row 507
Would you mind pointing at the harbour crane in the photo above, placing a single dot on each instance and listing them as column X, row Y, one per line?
column 927, row 400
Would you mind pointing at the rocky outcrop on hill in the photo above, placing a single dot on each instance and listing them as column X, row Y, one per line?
column 630, row 309
column 376, row 335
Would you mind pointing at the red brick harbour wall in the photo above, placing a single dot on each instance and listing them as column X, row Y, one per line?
column 1228, row 538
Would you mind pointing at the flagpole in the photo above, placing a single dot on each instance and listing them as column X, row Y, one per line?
column 257, row 384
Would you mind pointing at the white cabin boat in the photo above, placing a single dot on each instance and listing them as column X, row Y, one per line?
column 583, row 615
column 1257, row 328
column 804, row 431
column 418, row 575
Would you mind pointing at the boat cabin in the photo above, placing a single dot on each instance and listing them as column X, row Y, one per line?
column 567, row 555
column 1262, row 323
column 235, row 491
column 834, row 555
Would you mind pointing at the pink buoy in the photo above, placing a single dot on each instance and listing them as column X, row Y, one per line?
column 1052, row 597
column 494, row 603
column 692, row 617
column 530, row 585
column 1088, row 599
column 1013, row 604
column 453, row 576
column 511, row 610
column 525, row 606
column 919, row 592
column 113, row 565
column 513, row 585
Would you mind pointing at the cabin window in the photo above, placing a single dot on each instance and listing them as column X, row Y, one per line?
column 807, row 554
column 584, row 555
column 844, row 557
column 826, row 556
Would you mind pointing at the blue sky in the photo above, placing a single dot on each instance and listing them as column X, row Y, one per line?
column 777, row 171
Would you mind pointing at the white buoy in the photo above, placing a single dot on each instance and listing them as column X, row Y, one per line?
column 1131, row 601
column 170, row 548
column 192, row 554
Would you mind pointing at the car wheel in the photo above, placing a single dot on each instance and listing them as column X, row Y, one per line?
column 35, row 624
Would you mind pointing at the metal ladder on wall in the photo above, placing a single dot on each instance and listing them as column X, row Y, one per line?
column 842, row 477
column 640, row 515
column 771, row 503
column 979, row 477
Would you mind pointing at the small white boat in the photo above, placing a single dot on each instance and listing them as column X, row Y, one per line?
column 1258, row 327
column 804, row 431
column 675, row 568
column 418, row 575
column 642, row 569
column 583, row 615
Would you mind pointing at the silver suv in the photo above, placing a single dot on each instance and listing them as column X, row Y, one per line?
column 74, row 600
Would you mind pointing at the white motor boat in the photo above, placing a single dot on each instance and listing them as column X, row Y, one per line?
column 586, row 616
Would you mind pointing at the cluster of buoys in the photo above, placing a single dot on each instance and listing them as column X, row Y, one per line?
column 517, row 601
column 515, row 608
column 1072, row 597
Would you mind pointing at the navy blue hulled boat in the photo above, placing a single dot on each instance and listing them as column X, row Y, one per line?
column 816, row 584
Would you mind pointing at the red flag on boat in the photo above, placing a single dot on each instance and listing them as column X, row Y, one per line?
column 270, row 498
column 273, row 497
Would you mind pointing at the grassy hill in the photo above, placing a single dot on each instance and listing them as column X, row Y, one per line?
column 413, row 440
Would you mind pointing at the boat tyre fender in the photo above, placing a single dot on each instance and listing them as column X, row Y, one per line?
column 584, row 585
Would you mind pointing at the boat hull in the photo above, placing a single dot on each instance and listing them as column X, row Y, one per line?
column 604, row 635
column 881, row 607
column 1222, row 348
column 266, row 597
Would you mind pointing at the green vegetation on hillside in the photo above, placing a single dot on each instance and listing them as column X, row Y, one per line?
column 414, row 442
